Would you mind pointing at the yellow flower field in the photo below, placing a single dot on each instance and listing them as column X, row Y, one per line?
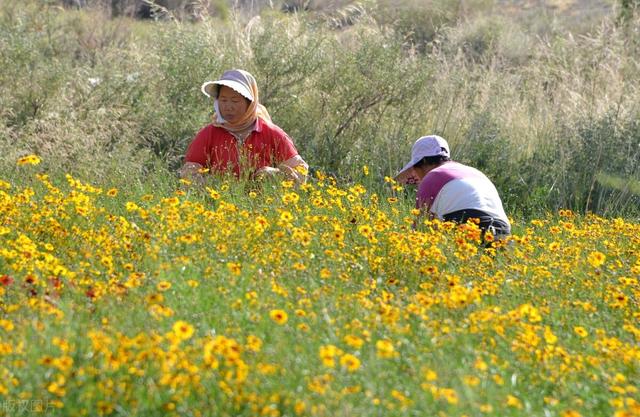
column 322, row 300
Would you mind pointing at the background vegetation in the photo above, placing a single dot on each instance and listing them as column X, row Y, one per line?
column 544, row 99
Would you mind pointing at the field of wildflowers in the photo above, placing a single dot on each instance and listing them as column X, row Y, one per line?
column 243, row 299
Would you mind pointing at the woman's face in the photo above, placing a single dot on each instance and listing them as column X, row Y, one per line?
column 232, row 104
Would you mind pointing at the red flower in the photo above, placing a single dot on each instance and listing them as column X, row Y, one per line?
column 6, row 280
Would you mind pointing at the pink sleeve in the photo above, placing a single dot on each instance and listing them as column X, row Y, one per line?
column 425, row 196
column 430, row 186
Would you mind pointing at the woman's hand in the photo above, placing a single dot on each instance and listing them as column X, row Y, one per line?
column 283, row 171
column 192, row 171
column 266, row 172
column 289, row 173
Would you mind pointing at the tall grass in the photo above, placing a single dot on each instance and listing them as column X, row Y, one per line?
column 546, row 110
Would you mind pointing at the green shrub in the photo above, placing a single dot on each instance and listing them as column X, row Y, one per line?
column 363, row 103
column 419, row 21
column 605, row 147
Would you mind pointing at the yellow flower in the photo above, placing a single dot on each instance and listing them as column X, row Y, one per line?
column 254, row 343
column 327, row 353
column 549, row 337
column 365, row 230
column 183, row 330
column 471, row 380
column 188, row 238
column 513, row 402
column 301, row 169
column 551, row 401
column 7, row 325
column 163, row 285
column 112, row 192
column 580, row 331
column 213, row 193
column 29, row 160
column 319, row 384
column 353, row 341
column 596, row 259
column 57, row 387
column 154, row 298
column 279, row 316
column 480, row 365
column 104, row 408
column 290, row 197
column 430, row 374
column 498, row 379
column 286, row 216
column 299, row 407
column 266, row 368
column 385, row 349
column 350, row 362
column 450, row 395
column 234, row 267
column 63, row 363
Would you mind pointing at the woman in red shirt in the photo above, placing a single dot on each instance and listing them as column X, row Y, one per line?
column 242, row 138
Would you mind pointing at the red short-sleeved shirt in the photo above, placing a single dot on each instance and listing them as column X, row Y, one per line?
column 217, row 149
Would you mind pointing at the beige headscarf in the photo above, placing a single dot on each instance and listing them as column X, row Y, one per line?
column 243, row 83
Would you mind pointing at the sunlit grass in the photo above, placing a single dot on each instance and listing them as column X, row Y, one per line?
column 618, row 183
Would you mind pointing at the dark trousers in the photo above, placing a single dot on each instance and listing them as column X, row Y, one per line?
column 498, row 228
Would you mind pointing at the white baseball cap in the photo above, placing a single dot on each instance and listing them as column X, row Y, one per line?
column 426, row 146
column 238, row 80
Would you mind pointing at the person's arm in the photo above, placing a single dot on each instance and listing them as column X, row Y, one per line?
column 295, row 168
column 292, row 166
column 424, row 202
column 190, row 169
column 195, row 158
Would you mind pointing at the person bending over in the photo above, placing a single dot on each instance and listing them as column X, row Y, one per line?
column 451, row 191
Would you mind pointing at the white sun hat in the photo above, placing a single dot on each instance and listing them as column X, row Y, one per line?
column 426, row 146
column 238, row 80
